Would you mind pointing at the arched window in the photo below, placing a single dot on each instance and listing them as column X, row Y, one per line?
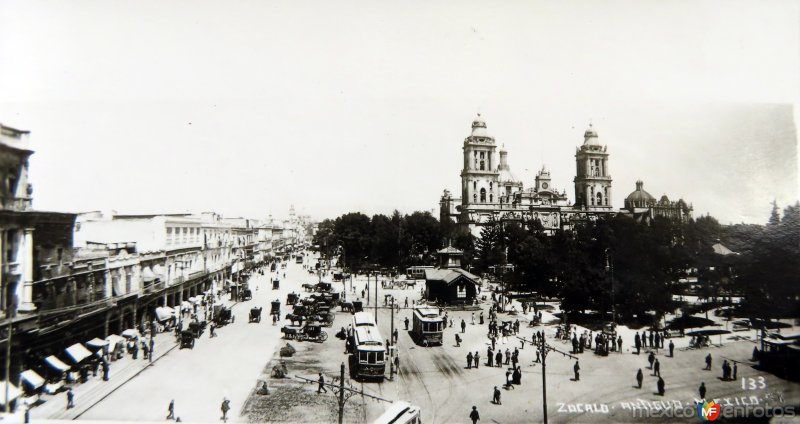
column 483, row 165
column 483, row 195
column 491, row 198
column 474, row 185
column 490, row 185
column 599, row 199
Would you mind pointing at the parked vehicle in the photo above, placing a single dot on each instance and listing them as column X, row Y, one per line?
column 312, row 332
column 187, row 339
column 255, row 314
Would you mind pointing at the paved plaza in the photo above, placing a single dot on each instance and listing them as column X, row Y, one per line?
column 437, row 379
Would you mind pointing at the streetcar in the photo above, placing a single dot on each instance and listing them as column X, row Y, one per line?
column 368, row 360
column 780, row 354
column 417, row 272
column 400, row 413
column 427, row 327
column 363, row 319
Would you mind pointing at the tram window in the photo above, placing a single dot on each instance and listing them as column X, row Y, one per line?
column 380, row 356
column 362, row 356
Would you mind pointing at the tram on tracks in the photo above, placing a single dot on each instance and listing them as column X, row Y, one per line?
column 368, row 360
column 427, row 327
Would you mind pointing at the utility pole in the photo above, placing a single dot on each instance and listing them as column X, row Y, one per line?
column 343, row 393
column 544, row 349
column 391, row 337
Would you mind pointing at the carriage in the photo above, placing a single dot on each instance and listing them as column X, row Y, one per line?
column 291, row 298
column 276, row 284
column 311, row 332
column 195, row 328
column 275, row 308
column 358, row 306
column 246, row 295
column 222, row 315
column 187, row 339
column 255, row 314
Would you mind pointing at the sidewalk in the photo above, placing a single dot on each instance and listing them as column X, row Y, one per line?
column 95, row 389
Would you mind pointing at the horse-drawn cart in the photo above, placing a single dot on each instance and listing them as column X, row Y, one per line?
column 276, row 284
column 187, row 339
column 311, row 332
column 255, row 314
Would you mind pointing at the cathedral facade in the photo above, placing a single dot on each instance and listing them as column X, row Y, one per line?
column 491, row 193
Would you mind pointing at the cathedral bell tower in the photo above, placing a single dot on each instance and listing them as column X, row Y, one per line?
column 592, row 180
column 479, row 177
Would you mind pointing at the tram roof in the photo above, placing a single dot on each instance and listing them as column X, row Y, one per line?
column 363, row 318
column 429, row 313
column 368, row 336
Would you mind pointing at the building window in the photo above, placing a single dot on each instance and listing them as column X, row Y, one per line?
column 599, row 199
column 483, row 195
column 474, row 200
column 483, row 165
column 461, row 291
column 491, row 184
column 491, row 198
column 474, row 185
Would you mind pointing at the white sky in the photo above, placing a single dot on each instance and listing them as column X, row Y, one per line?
column 246, row 107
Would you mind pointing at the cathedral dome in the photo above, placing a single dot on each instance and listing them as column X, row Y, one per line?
column 590, row 137
column 639, row 197
column 479, row 127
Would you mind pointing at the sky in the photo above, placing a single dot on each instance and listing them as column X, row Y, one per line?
column 247, row 107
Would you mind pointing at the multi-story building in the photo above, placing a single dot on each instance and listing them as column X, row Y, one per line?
column 33, row 245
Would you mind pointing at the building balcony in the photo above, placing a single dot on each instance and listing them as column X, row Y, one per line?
column 12, row 268
column 17, row 204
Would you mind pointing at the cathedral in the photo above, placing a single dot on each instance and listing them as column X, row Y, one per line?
column 491, row 193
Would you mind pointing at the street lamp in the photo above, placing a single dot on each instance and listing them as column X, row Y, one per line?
column 610, row 268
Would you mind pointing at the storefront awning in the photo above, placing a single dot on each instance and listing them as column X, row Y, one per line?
column 164, row 313
column 56, row 364
column 31, row 378
column 13, row 392
column 96, row 343
column 132, row 333
column 78, row 353
column 148, row 275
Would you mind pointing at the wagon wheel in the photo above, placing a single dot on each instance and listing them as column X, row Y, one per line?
column 323, row 336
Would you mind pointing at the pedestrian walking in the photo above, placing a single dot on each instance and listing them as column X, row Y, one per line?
column 477, row 359
column 474, row 415
column 406, row 303
column 321, row 388
column 538, row 358
column 657, row 368
column 463, row 326
column 496, row 397
column 397, row 364
column 577, row 369
column 735, row 370
column 639, row 377
column 619, row 344
column 508, row 357
column 70, row 398
column 458, row 340
column 473, row 318
column 651, row 358
column 498, row 358
column 489, row 357
column 226, row 406
column 469, row 360
column 708, row 362
column 637, row 342
column 671, row 349
column 660, row 386
column 509, row 382
column 481, row 318
column 494, row 342
column 406, row 323
column 702, row 390
column 396, row 335
column 171, row 410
